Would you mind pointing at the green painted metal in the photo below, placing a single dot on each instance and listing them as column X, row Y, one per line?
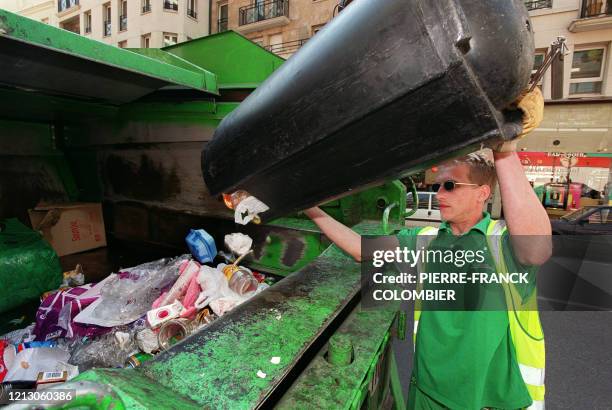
column 135, row 390
column 237, row 61
column 168, row 58
column 327, row 384
column 37, row 107
column 15, row 27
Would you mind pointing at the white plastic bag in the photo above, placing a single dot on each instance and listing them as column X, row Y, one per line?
column 29, row 362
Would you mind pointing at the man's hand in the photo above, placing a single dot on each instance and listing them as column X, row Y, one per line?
column 532, row 106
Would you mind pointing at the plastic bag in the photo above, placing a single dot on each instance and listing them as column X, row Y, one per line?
column 111, row 350
column 213, row 284
column 54, row 317
column 28, row 265
column 20, row 335
column 130, row 294
column 29, row 362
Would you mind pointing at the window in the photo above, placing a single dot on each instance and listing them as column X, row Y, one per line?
column 87, row 21
column 66, row 4
column 170, row 39
column 123, row 15
column 595, row 218
column 171, row 5
column 106, row 13
column 192, row 6
column 316, row 29
column 587, row 71
column 145, row 41
column 537, row 63
column 122, row 44
column 146, row 6
column 222, row 23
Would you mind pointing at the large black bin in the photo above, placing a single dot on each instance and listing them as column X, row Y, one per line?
column 388, row 86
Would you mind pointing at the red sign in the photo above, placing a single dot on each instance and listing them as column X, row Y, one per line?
column 545, row 160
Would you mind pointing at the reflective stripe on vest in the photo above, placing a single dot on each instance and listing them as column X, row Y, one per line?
column 525, row 327
column 424, row 238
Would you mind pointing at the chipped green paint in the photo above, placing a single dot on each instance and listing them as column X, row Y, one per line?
column 324, row 385
column 29, row 31
column 136, row 391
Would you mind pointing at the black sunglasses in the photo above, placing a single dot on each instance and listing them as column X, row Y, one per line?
column 449, row 185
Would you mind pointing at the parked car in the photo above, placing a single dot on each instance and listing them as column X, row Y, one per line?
column 428, row 209
column 589, row 220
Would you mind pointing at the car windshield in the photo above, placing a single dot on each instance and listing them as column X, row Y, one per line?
column 572, row 216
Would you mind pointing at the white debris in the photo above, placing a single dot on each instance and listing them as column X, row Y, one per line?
column 238, row 243
column 275, row 360
column 248, row 209
column 261, row 374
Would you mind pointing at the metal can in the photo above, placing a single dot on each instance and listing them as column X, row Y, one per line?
column 137, row 359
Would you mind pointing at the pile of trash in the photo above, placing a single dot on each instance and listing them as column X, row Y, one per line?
column 131, row 315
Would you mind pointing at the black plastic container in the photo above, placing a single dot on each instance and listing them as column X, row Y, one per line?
column 387, row 87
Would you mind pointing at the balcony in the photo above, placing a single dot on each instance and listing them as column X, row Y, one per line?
column 594, row 15
column 107, row 28
column 192, row 13
column 221, row 25
column 122, row 23
column 171, row 5
column 288, row 47
column 538, row 4
column 146, row 8
column 63, row 5
column 263, row 15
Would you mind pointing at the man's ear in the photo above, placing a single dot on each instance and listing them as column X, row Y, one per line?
column 485, row 193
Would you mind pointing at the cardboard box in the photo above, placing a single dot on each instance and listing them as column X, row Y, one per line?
column 70, row 227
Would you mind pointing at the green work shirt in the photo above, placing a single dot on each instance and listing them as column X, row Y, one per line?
column 465, row 359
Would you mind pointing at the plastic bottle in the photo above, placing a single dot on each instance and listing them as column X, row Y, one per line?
column 242, row 281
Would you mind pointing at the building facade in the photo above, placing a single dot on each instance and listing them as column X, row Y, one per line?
column 281, row 26
column 123, row 23
column 577, row 129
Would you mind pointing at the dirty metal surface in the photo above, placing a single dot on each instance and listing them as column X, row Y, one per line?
column 137, row 391
column 326, row 386
column 218, row 366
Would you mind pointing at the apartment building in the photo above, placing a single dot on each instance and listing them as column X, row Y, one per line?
column 123, row 23
column 574, row 140
column 281, row 26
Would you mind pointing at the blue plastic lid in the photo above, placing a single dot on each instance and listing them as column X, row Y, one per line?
column 201, row 245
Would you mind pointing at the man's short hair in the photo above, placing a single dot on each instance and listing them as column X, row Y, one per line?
column 482, row 168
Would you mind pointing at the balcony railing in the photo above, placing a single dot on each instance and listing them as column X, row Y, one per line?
column 107, row 28
column 596, row 8
column 122, row 23
column 192, row 13
column 221, row 25
column 66, row 4
column 287, row 47
column 538, row 4
column 170, row 5
column 263, row 11
column 146, row 7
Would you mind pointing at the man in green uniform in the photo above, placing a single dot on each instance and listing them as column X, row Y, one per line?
column 477, row 359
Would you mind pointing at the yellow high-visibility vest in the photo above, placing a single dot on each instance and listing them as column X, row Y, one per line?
column 525, row 327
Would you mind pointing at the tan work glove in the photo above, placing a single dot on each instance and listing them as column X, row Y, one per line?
column 532, row 105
